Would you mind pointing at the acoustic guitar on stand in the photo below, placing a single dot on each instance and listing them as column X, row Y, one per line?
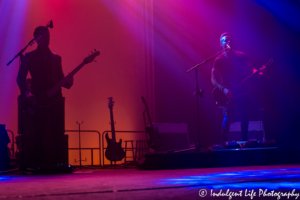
column 154, row 141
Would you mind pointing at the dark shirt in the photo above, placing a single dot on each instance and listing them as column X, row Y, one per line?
column 45, row 70
column 232, row 68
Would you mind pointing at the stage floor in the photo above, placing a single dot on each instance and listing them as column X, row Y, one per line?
column 156, row 184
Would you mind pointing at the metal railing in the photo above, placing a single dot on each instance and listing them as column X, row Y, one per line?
column 92, row 149
column 101, row 148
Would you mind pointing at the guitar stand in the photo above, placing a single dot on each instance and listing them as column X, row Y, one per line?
column 114, row 165
column 79, row 135
column 80, row 159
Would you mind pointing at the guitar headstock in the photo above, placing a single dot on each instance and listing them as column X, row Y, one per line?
column 268, row 64
column 110, row 102
column 143, row 99
column 91, row 57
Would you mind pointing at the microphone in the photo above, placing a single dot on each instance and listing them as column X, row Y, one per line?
column 228, row 46
column 50, row 24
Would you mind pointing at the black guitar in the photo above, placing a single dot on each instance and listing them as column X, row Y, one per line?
column 236, row 91
column 33, row 105
column 154, row 141
column 114, row 151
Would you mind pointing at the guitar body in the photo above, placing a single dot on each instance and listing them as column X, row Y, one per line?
column 34, row 106
column 220, row 98
column 114, row 151
column 154, row 141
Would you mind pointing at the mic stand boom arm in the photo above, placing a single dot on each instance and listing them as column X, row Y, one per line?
column 21, row 52
column 50, row 24
column 205, row 61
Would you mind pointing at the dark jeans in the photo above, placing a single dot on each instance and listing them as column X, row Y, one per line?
column 241, row 104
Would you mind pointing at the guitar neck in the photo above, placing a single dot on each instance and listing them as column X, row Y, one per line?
column 62, row 82
column 250, row 76
column 149, row 117
column 150, row 121
column 112, row 124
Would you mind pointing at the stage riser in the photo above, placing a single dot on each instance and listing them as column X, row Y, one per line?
column 211, row 159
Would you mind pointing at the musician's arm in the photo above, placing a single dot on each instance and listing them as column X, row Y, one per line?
column 69, row 78
column 216, row 79
column 214, row 76
column 22, row 74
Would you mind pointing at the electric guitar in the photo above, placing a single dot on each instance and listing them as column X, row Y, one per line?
column 154, row 141
column 236, row 91
column 33, row 105
column 114, row 150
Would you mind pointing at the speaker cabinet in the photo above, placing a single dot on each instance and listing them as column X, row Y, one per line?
column 44, row 141
column 173, row 136
column 255, row 131
column 4, row 140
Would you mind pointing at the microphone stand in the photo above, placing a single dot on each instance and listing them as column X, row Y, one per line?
column 200, row 93
column 23, row 94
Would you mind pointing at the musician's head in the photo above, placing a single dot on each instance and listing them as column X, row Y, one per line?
column 225, row 41
column 44, row 39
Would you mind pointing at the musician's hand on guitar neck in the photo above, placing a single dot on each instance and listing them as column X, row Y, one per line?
column 227, row 92
column 262, row 70
column 69, row 81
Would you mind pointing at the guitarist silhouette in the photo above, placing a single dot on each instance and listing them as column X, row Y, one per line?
column 45, row 70
column 229, row 70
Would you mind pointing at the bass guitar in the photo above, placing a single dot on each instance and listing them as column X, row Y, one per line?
column 114, row 150
column 33, row 105
column 154, row 141
column 236, row 91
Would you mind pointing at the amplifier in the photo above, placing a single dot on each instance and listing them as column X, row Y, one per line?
column 173, row 136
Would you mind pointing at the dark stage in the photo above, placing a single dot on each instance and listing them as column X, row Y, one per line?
column 260, row 182
column 182, row 174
